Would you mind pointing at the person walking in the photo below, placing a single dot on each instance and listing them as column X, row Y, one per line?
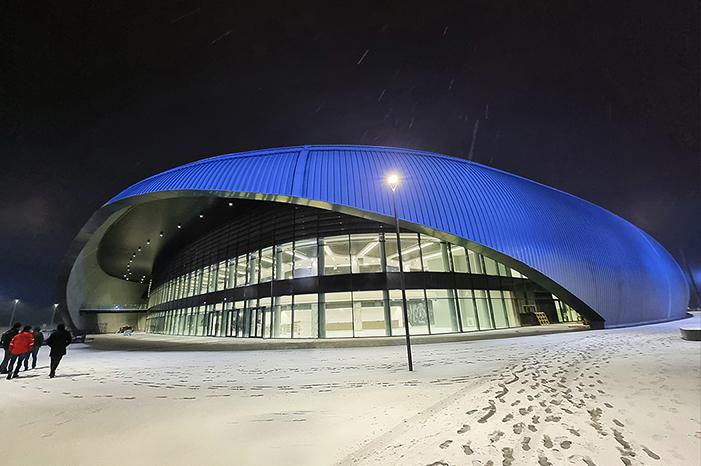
column 38, row 341
column 58, row 342
column 20, row 348
column 5, row 342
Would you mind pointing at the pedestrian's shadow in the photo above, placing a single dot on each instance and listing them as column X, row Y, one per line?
column 71, row 375
column 25, row 376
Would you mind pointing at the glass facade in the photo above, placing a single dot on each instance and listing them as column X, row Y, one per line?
column 341, row 314
column 334, row 255
column 287, row 272
column 346, row 314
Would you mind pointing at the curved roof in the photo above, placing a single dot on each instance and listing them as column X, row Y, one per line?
column 612, row 266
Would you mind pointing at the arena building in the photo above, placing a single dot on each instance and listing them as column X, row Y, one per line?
column 300, row 242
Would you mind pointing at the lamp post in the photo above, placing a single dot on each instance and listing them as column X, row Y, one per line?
column 14, row 308
column 393, row 182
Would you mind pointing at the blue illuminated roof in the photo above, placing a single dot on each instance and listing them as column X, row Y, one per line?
column 608, row 263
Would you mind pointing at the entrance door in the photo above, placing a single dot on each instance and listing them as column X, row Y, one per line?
column 252, row 322
column 229, row 323
column 214, row 321
column 258, row 322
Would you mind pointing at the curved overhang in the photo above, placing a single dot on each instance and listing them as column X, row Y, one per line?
column 600, row 264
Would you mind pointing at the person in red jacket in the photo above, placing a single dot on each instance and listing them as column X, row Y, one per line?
column 20, row 349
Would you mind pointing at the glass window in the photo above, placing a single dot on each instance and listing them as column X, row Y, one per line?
column 475, row 263
column 336, row 250
column 241, row 269
column 483, row 313
column 490, row 266
column 204, row 280
column 189, row 284
column 267, row 314
column 176, row 288
column 231, row 279
column 238, row 318
column 411, row 252
column 459, row 259
column 282, row 317
column 222, row 275
column 252, row 270
column 416, row 310
column 200, row 321
column 503, row 270
column 442, row 313
column 366, row 253
column 193, row 283
column 186, row 282
column 187, row 324
column 179, row 321
column 468, row 311
column 338, row 314
column 510, row 307
column 368, row 313
column 305, row 316
column 498, row 309
column 283, row 261
column 435, row 254
column 213, row 278
column 266, row 265
column 305, row 262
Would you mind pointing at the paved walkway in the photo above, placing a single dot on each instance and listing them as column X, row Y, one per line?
column 154, row 342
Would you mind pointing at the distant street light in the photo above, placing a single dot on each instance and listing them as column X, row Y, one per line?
column 393, row 182
column 53, row 315
column 14, row 308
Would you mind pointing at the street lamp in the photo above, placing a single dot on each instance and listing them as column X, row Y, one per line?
column 14, row 308
column 53, row 315
column 393, row 182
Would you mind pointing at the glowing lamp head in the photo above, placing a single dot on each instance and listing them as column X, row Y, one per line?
column 393, row 181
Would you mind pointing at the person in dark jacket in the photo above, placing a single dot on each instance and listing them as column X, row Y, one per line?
column 5, row 342
column 58, row 342
column 38, row 341
column 20, row 348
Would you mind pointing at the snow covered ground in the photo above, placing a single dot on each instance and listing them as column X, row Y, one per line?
column 626, row 396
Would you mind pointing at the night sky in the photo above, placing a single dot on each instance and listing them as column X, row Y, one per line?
column 600, row 99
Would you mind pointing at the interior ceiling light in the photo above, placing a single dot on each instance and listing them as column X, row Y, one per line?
column 201, row 215
column 179, row 225
column 231, row 204
column 160, row 234
column 148, row 241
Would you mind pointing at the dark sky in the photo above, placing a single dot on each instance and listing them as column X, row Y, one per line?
column 600, row 99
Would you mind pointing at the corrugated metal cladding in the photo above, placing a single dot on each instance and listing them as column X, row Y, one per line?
column 608, row 263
